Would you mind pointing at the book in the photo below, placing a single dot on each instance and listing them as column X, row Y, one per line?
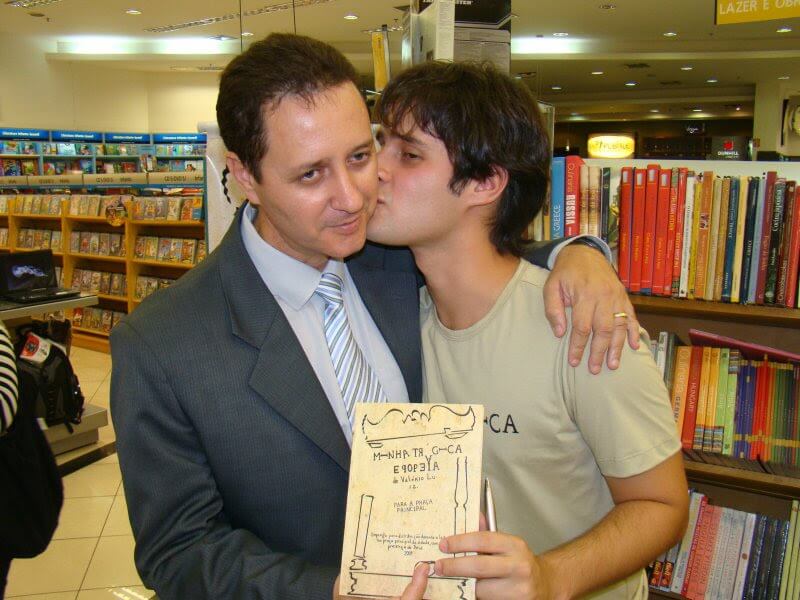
column 792, row 266
column 593, row 212
column 609, row 210
column 734, row 359
column 791, row 551
column 720, row 414
column 740, row 234
column 200, row 255
column 776, row 222
column 625, row 213
column 748, row 349
column 583, row 198
column 664, row 178
column 188, row 251
column 729, row 237
column 703, row 232
column 692, row 396
column 386, row 510
column 173, row 209
column 697, row 503
column 718, row 555
column 557, row 174
column 649, row 227
column 686, row 267
column 756, row 554
column 765, row 223
column 572, row 216
column 164, row 245
column 733, row 548
column 175, row 248
column 744, row 555
column 151, row 247
column 785, row 244
column 700, row 563
column 713, row 240
column 672, row 227
column 637, row 229
column 702, row 399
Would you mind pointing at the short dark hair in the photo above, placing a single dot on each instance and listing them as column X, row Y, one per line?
column 280, row 65
column 485, row 120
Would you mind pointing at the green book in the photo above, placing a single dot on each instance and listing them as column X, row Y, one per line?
column 730, row 403
column 788, row 569
column 720, row 416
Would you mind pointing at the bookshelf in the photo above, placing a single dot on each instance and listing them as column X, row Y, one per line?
column 738, row 488
column 70, row 258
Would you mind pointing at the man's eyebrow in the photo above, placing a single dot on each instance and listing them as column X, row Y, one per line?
column 321, row 163
column 406, row 137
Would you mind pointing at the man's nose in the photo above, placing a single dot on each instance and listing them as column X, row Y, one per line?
column 347, row 196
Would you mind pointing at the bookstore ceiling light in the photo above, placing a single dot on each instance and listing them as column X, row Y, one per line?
column 267, row 9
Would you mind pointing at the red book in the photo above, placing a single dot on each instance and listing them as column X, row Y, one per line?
column 661, row 228
column 748, row 350
column 692, row 393
column 695, row 584
column 695, row 540
column 649, row 229
column 637, row 229
column 759, row 406
column 790, row 217
column 794, row 254
column 766, row 232
column 572, row 191
column 677, row 259
column 625, row 208
column 672, row 223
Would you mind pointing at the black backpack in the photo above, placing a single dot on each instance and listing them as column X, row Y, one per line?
column 50, row 386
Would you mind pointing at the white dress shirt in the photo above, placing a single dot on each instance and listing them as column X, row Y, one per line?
column 293, row 284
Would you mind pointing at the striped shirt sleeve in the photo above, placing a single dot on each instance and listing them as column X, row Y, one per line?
column 8, row 381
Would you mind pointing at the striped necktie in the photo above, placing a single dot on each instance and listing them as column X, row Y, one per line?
column 356, row 378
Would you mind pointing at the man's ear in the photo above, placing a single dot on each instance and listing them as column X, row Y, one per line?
column 489, row 190
column 242, row 175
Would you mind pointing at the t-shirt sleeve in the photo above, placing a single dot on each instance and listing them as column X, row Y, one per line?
column 624, row 415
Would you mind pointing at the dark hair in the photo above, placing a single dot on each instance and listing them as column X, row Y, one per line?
column 280, row 65
column 485, row 120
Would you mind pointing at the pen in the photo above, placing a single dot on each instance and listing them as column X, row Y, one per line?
column 491, row 516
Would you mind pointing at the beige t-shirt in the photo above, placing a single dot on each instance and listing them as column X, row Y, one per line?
column 552, row 432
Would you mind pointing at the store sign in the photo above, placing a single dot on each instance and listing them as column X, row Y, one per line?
column 115, row 179
column 23, row 134
column 76, row 179
column 77, row 136
column 180, row 138
column 130, row 138
column 729, row 148
column 751, row 11
column 14, row 180
column 189, row 177
column 607, row 145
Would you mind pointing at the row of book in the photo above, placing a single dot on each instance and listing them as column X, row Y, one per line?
column 97, row 243
column 735, row 404
column 180, row 149
column 100, row 282
column 39, row 239
column 67, row 149
column 168, row 208
column 178, row 166
column 132, row 165
column 18, row 147
column 32, row 204
column 729, row 239
column 94, row 205
column 3, row 237
column 17, row 167
column 188, row 251
column 148, row 285
column 51, row 166
column 728, row 554
column 96, row 319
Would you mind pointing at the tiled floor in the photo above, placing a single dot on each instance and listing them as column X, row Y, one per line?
column 91, row 555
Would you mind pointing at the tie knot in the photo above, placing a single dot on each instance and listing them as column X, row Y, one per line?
column 330, row 288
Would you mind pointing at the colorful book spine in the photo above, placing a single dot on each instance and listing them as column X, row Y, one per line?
column 692, row 395
column 697, row 504
column 557, row 198
column 625, row 212
column 766, row 232
column 756, row 554
column 649, row 230
column 713, row 240
column 677, row 254
column 593, row 200
column 703, row 231
column 687, row 255
column 672, row 223
column 700, row 565
column 720, row 416
column 773, row 256
column 702, row 400
column 731, row 230
column 793, row 265
column 738, row 253
column 732, row 551
column 757, row 231
column 572, row 223
column 661, row 230
column 734, row 359
column 721, row 228
column 791, row 554
column 606, row 202
column 786, row 242
column 637, row 229
column 680, row 384
column 744, row 556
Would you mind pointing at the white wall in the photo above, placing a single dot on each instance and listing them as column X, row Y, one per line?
column 53, row 94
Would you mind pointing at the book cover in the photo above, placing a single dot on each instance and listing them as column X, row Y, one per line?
column 94, row 242
column 105, row 282
column 583, row 198
column 700, row 564
column 664, row 179
column 776, row 223
column 625, row 214
column 748, row 349
column 734, row 359
column 76, row 279
column 115, row 244
column 733, row 547
column 720, row 415
column 792, row 267
column 744, row 555
column 785, row 244
column 173, row 209
column 657, row 571
column 141, row 286
column 164, row 244
column 557, row 173
column 703, row 232
column 731, row 224
column 756, row 554
column 94, row 286
column 201, row 251
column 787, row 575
column 609, row 211
column 77, row 317
column 151, row 247
column 680, row 384
column 402, row 487
column 115, row 287
column 637, row 229
column 85, row 237
column 175, row 249
column 161, row 205
column 669, row 567
column 188, row 251
column 765, row 222
column 692, row 395
column 697, row 503
column 714, row 241
column 765, row 564
column 94, row 206
column 572, row 223
column 649, row 228
column 719, row 553
column 672, row 224
column 674, row 267
column 686, row 285
column 104, row 244
column 593, row 218
column 740, row 236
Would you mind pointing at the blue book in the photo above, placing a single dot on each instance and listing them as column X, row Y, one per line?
column 557, row 174
column 753, row 283
column 749, row 230
column 730, row 240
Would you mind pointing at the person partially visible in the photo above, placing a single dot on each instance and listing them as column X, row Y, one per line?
column 9, row 394
column 586, row 469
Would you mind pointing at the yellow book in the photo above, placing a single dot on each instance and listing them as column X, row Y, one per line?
column 721, row 234
column 702, row 403
column 711, row 401
column 703, row 231
column 738, row 254
column 713, row 239
column 698, row 194
column 680, row 384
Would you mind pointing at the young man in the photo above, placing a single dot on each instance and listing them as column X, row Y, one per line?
column 586, row 470
column 235, row 462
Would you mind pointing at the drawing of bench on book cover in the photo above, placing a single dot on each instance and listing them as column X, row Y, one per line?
column 414, row 478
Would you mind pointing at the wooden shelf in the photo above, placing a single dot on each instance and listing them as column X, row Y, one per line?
column 161, row 263
column 754, row 314
column 38, row 217
column 112, row 297
column 743, row 479
column 92, row 331
column 659, row 594
column 164, row 222
column 90, row 340
column 118, row 259
column 87, row 219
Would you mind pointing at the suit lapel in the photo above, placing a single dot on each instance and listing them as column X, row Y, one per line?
column 392, row 299
column 282, row 374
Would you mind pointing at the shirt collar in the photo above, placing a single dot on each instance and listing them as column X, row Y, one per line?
column 287, row 278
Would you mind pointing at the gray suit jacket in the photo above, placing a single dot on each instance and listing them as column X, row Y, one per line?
column 234, row 466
